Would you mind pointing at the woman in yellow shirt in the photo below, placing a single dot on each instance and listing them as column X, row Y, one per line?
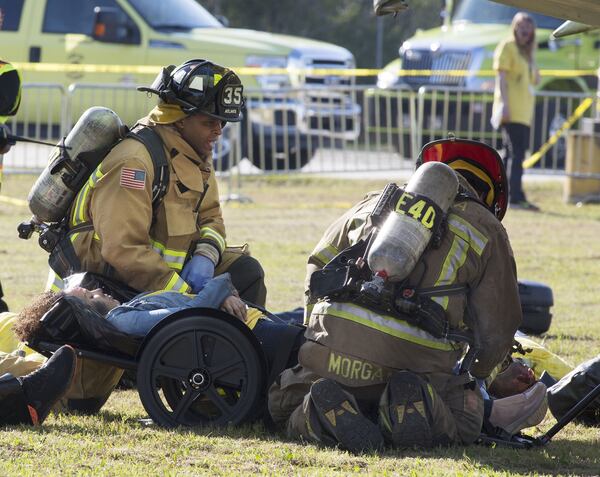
column 514, row 101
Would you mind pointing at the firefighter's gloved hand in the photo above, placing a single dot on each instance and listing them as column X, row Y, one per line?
column 197, row 272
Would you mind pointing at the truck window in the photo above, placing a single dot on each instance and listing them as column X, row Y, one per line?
column 174, row 15
column 484, row 11
column 78, row 20
column 10, row 14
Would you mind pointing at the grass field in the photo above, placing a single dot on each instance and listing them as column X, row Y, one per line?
column 558, row 247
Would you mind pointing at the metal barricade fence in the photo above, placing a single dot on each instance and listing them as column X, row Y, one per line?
column 325, row 129
column 316, row 130
column 467, row 114
column 42, row 116
column 48, row 113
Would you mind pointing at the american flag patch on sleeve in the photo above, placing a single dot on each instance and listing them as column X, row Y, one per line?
column 133, row 178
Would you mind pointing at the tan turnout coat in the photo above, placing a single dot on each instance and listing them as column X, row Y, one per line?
column 127, row 242
column 358, row 347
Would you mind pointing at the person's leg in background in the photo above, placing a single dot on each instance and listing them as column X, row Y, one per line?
column 515, row 139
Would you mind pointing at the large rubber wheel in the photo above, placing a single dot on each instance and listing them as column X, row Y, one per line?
column 200, row 371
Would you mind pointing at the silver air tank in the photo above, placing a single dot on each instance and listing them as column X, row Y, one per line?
column 53, row 192
column 408, row 229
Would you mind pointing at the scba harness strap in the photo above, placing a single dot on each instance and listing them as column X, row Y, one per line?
column 56, row 239
column 347, row 277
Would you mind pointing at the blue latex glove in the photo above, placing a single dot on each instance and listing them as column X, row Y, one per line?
column 197, row 272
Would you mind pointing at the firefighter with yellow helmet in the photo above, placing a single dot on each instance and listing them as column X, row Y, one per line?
column 382, row 366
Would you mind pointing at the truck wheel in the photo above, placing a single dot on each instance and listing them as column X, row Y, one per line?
column 275, row 155
column 200, row 371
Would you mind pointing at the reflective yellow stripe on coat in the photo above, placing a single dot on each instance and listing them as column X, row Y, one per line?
column 327, row 254
column 383, row 323
column 177, row 284
column 214, row 237
column 174, row 258
column 466, row 237
column 79, row 214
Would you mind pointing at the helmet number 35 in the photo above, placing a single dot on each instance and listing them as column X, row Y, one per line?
column 232, row 95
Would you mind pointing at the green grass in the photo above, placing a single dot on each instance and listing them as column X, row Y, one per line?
column 286, row 218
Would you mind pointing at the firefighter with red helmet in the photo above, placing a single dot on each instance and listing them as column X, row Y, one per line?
column 382, row 367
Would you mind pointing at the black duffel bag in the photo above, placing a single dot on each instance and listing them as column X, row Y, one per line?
column 572, row 388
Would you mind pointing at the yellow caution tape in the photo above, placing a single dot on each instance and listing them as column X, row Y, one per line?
column 255, row 71
column 579, row 111
column 13, row 201
column 328, row 205
column 78, row 68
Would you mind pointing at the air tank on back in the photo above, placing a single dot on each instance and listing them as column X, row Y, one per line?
column 409, row 227
column 53, row 192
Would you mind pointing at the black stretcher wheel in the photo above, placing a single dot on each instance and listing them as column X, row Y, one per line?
column 200, row 371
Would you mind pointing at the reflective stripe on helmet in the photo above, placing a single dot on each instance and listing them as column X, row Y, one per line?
column 460, row 165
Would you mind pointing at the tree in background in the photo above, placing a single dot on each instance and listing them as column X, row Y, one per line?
column 348, row 23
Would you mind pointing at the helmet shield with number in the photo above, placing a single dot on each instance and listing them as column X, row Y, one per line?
column 199, row 86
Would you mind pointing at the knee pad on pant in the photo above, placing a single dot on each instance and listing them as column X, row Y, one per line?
column 248, row 277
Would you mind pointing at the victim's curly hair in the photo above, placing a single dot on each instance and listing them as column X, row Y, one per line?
column 27, row 324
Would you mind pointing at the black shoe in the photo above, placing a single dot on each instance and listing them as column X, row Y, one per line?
column 45, row 386
column 409, row 411
column 340, row 418
column 524, row 205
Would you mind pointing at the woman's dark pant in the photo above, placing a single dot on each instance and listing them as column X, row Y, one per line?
column 515, row 140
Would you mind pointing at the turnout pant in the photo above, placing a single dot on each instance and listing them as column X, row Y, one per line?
column 515, row 141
